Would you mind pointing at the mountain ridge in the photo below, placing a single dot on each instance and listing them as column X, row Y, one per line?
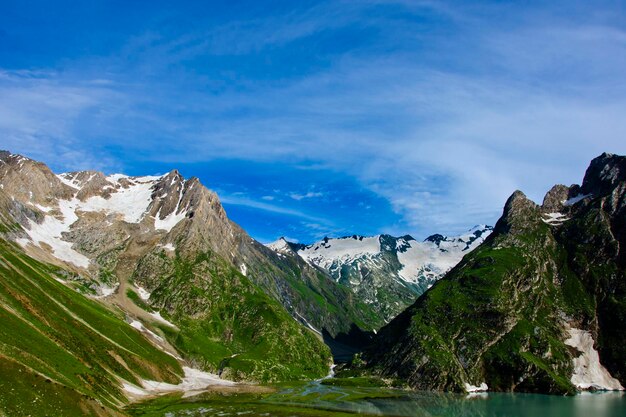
column 536, row 308
column 120, row 236
column 385, row 271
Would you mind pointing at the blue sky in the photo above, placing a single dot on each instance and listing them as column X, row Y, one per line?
column 322, row 118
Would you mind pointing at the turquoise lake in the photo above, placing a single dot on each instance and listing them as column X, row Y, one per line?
column 314, row 399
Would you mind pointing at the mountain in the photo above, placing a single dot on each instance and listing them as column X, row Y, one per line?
column 60, row 352
column 540, row 306
column 385, row 272
column 160, row 252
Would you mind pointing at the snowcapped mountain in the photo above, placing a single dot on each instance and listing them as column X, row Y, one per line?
column 387, row 272
column 162, row 250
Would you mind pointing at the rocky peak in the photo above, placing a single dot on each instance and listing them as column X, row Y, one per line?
column 555, row 200
column 436, row 238
column 518, row 212
column 30, row 182
column 604, row 173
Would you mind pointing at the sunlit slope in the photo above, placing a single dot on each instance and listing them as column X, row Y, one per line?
column 61, row 352
column 228, row 325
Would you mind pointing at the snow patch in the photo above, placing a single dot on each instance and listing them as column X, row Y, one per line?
column 131, row 202
column 472, row 388
column 143, row 294
column 169, row 221
column 157, row 316
column 168, row 246
column 588, row 371
column 173, row 218
column 244, row 269
column 307, row 324
column 105, row 291
column 575, row 200
column 139, row 326
column 50, row 232
column 194, row 382
column 555, row 219
column 65, row 179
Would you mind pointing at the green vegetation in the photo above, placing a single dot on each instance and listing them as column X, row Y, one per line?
column 71, row 347
column 363, row 381
column 228, row 325
column 328, row 305
column 494, row 318
column 134, row 297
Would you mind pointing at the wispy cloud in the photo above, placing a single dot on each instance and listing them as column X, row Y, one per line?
column 239, row 200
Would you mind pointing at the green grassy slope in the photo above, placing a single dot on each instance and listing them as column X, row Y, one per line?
column 495, row 318
column 61, row 351
column 330, row 305
column 227, row 324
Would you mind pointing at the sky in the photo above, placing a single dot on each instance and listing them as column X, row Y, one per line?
column 315, row 118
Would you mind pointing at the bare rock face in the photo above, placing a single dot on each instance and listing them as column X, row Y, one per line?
column 604, row 173
column 556, row 199
column 28, row 181
column 518, row 212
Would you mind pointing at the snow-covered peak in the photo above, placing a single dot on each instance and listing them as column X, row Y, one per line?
column 281, row 246
column 384, row 271
column 118, row 197
column 430, row 258
column 344, row 247
column 464, row 242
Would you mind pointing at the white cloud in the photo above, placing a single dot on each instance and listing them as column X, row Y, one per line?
column 310, row 194
column 239, row 200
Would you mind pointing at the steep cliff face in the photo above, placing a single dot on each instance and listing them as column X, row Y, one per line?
column 538, row 307
column 162, row 246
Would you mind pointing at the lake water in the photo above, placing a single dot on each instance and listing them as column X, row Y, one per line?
column 314, row 399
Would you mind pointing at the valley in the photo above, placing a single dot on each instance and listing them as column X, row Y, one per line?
column 137, row 295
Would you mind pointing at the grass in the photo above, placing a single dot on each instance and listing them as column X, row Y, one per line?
column 229, row 326
column 134, row 297
column 50, row 331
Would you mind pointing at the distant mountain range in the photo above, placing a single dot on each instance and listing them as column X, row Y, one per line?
column 385, row 272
